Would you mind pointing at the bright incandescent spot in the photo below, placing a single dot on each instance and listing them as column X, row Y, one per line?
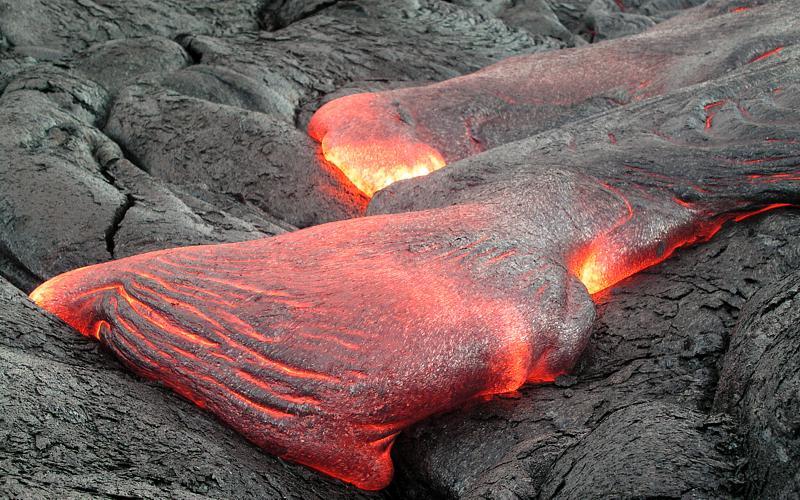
column 383, row 155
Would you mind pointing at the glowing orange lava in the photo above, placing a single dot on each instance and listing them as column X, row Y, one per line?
column 371, row 169
column 321, row 345
column 603, row 263
column 383, row 151
column 767, row 54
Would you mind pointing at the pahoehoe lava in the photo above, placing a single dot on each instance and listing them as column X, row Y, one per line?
column 321, row 345
column 380, row 138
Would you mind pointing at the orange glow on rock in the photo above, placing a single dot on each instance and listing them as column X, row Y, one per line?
column 711, row 111
column 602, row 263
column 593, row 277
column 767, row 54
column 321, row 345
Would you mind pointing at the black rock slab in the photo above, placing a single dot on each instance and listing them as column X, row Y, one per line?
column 117, row 63
column 349, row 41
column 281, row 13
column 533, row 16
column 578, row 21
column 760, row 386
column 250, row 155
column 68, row 196
column 68, row 26
column 156, row 217
column 56, row 203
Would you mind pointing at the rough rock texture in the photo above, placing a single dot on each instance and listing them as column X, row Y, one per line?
column 644, row 414
column 190, row 141
column 657, row 346
column 760, row 385
column 67, row 26
column 117, row 63
column 349, row 41
column 63, row 199
column 578, row 21
column 54, row 150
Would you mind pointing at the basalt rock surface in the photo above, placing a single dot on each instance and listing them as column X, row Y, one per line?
column 137, row 126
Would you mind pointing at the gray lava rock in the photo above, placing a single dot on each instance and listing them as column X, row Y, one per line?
column 116, row 63
column 417, row 40
column 760, row 385
column 67, row 190
column 69, row 26
column 250, row 155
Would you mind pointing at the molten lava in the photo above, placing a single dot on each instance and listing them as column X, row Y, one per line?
column 383, row 156
column 382, row 171
column 323, row 344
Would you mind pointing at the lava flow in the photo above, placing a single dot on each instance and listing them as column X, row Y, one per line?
column 321, row 345
column 379, row 138
column 605, row 262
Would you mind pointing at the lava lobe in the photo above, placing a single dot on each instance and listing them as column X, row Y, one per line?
column 321, row 345
column 379, row 138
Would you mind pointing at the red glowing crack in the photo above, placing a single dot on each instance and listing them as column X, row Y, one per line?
column 711, row 111
column 766, row 54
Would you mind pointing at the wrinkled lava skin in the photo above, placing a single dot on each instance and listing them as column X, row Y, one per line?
column 379, row 138
column 323, row 344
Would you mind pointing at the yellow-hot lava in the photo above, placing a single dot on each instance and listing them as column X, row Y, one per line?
column 372, row 167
